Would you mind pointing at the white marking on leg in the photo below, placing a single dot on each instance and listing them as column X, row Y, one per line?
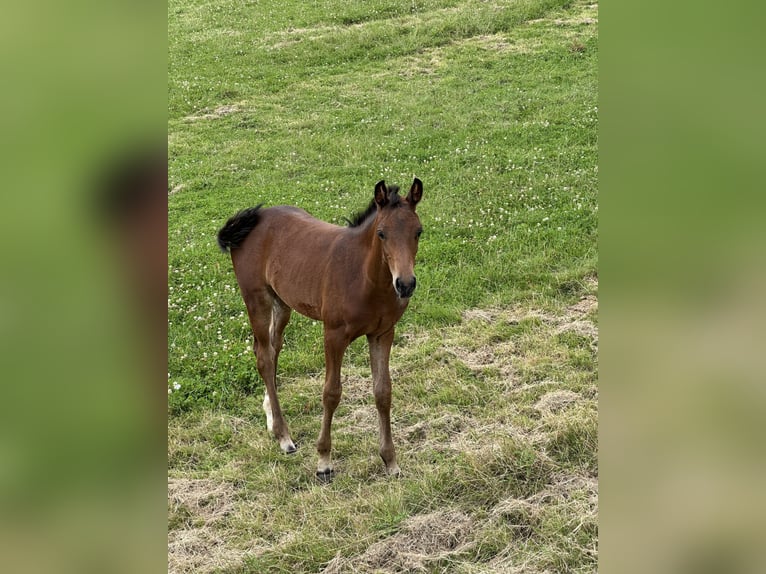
column 324, row 464
column 267, row 410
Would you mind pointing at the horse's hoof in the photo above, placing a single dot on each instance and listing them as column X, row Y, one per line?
column 325, row 476
column 287, row 446
column 394, row 472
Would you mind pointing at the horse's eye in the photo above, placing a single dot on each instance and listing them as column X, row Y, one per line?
column 381, row 234
column 418, row 233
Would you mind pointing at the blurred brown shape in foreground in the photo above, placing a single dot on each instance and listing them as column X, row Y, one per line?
column 132, row 202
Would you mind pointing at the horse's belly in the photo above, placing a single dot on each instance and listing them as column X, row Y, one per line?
column 307, row 309
column 298, row 294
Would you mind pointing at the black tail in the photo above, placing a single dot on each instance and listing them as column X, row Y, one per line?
column 237, row 228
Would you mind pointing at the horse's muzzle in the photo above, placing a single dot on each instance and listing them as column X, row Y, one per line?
column 405, row 288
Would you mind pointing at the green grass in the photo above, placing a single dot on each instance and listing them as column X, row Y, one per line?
column 494, row 106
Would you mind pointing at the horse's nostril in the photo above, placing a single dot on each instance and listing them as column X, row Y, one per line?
column 404, row 289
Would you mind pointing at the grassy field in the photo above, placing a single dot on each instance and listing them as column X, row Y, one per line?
column 494, row 106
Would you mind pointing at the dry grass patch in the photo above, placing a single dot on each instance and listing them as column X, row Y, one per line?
column 196, row 509
column 217, row 113
column 427, row 63
column 503, row 44
column 511, row 342
column 495, row 356
column 423, row 539
column 556, row 401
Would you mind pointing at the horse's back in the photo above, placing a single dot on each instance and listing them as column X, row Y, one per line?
column 283, row 227
column 288, row 252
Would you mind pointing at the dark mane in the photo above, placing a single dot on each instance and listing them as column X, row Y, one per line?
column 360, row 217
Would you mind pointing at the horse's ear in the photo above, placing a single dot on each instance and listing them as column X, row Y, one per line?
column 381, row 193
column 416, row 193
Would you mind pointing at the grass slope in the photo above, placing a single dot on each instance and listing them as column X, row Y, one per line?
column 493, row 105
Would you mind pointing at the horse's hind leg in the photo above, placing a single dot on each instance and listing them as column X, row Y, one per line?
column 260, row 304
column 280, row 316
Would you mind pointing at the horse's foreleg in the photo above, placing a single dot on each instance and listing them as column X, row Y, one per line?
column 335, row 344
column 380, row 350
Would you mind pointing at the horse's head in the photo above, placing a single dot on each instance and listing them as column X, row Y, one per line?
column 397, row 228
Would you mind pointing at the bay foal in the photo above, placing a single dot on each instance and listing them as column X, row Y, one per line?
column 357, row 280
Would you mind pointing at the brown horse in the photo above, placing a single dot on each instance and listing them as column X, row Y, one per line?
column 357, row 280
